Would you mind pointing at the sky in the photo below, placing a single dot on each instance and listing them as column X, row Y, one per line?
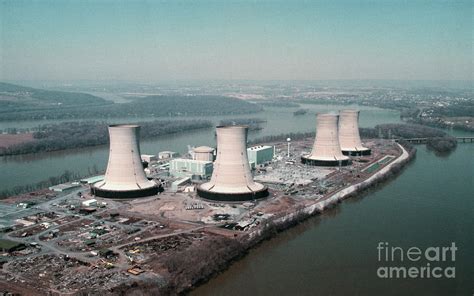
column 252, row 40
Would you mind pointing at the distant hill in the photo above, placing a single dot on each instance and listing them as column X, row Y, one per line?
column 26, row 103
column 15, row 98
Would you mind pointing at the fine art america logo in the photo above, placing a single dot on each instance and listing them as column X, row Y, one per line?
column 416, row 263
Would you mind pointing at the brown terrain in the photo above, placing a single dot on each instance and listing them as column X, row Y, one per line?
column 7, row 140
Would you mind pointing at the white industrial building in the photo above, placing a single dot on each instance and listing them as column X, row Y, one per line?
column 167, row 154
column 326, row 149
column 180, row 167
column 148, row 157
column 349, row 137
column 232, row 179
column 124, row 177
column 260, row 154
column 89, row 202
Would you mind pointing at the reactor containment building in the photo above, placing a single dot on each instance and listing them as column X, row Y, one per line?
column 349, row 136
column 326, row 149
column 231, row 178
column 124, row 177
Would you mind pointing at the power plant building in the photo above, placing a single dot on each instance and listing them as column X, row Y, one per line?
column 260, row 154
column 232, row 179
column 349, row 136
column 180, row 167
column 124, row 177
column 326, row 149
column 203, row 153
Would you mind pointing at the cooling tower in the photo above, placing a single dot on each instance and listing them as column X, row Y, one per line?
column 349, row 137
column 203, row 153
column 326, row 150
column 124, row 177
column 231, row 179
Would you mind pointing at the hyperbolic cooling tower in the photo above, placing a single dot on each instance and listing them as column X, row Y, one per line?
column 231, row 178
column 349, row 137
column 326, row 149
column 124, row 177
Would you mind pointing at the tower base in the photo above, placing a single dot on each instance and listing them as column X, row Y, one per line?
column 124, row 194
column 328, row 163
column 357, row 153
column 229, row 197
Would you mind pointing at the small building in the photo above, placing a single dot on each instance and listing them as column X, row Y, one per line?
column 89, row 202
column 64, row 187
column 92, row 180
column 136, row 270
column 167, row 154
column 180, row 184
column 181, row 167
column 148, row 157
column 260, row 154
column 25, row 205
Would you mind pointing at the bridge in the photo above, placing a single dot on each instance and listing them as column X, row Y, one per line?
column 424, row 140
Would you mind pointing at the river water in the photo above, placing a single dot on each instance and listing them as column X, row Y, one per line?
column 430, row 204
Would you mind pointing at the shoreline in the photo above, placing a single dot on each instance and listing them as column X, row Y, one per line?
column 274, row 226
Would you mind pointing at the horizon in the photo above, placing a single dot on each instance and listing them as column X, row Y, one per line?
column 144, row 42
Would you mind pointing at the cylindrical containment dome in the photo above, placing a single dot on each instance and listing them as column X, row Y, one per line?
column 231, row 178
column 349, row 136
column 326, row 149
column 124, row 177
column 203, row 153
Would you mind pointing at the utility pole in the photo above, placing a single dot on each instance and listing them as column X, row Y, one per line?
column 288, row 140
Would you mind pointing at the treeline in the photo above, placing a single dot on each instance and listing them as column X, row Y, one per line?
column 66, row 176
column 407, row 131
column 442, row 144
column 252, row 123
column 282, row 137
column 151, row 106
column 300, row 112
column 438, row 140
column 442, row 123
column 278, row 104
column 67, row 135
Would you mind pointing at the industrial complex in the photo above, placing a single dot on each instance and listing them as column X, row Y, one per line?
column 125, row 226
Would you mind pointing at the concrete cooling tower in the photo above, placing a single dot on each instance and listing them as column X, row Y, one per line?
column 231, row 179
column 124, row 177
column 326, row 149
column 349, row 137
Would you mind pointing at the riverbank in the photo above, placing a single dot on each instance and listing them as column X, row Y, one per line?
column 274, row 225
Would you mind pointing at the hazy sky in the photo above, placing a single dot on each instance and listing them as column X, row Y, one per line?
column 152, row 41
